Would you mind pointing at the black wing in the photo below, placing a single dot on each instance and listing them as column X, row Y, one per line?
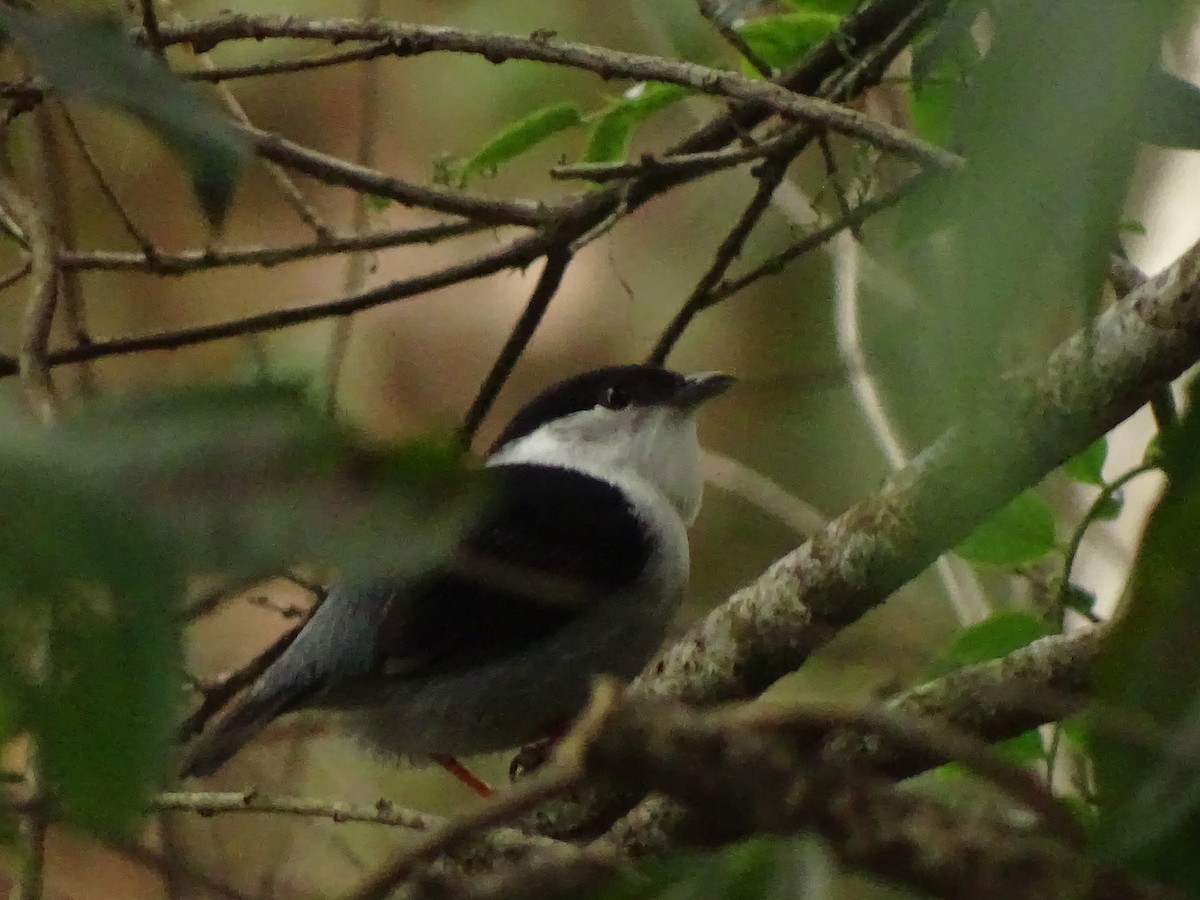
column 553, row 543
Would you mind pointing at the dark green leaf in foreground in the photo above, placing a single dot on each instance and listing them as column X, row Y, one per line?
column 1020, row 533
column 103, row 516
column 80, row 562
column 252, row 479
column 613, row 128
column 1150, row 788
column 1025, row 229
column 517, row 138
column 1172, row 112
column 93, row 59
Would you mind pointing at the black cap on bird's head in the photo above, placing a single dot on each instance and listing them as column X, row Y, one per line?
column 615, row 388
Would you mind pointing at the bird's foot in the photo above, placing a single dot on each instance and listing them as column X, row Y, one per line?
column 533, row 756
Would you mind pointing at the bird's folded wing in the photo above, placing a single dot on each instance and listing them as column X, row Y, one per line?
column 554, row 545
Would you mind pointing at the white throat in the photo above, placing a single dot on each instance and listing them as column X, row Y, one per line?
column 652, row 454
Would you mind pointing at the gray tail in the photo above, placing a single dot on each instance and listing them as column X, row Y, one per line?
column 214, row 748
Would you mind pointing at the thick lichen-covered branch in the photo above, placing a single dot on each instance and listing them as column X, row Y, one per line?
column 1034, row 422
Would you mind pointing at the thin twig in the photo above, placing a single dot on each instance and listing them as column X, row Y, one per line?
column 211, row 803
column 776, row 263
column 31, row 363
column 356, row 263
column 515, row 255
column 959, row 582
column 189, row 261
column 107, row 191
column 57, row 192
column 742, row 481
column 150, row 27
column 557, row 260
column 282, row 181
column 285, row 66
column 1092, row 515
column 711, row 10
column 217, row 695
column 769, row 176
column 334, row 170
column 687, row 165
column 22, row 269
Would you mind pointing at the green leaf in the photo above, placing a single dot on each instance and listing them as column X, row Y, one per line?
column 80, row 560
column 942, row 65
column 1025, row 228
column 995, row 636
column 250, row 479
column 1171, row 113
column 104, row 516
column 1150, row 787
column 781, row 40
column 613, row 129
column 377, row 204
column 1088, row 466
column 1153, row 454
column 932, row 107
column 519, row 137
column 950, row 47
column 92, row 59
column 1079, row 599
column 840, row 8
column 1019, row 534
column 1109, row 508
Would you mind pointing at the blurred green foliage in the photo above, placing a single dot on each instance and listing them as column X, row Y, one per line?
column 1147, row 771
column 93, row 59
column 105, row 516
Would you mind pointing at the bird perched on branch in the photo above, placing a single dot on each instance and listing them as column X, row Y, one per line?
column 574, row 569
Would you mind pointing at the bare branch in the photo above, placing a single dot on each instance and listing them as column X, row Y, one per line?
column 413, row 40
column 745, row 780
column 189, row 261
column 770, row 174
column 356, row 263
column 286, row 66
column 557, row 261
column 381, row 812
column 515, row 255
column 32, row 363
column 334, row 170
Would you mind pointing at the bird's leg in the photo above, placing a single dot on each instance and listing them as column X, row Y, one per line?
column 463, row 774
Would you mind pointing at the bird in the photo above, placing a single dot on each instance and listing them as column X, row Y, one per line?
column 574, row 568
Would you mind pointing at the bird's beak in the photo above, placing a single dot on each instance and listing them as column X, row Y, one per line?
column 701, row 387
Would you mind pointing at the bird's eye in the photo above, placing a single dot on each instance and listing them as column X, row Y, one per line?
column 615, row 398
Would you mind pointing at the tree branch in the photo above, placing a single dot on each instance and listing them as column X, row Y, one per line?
column 1093, row 381
column 414, row 40
column 557, row 261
